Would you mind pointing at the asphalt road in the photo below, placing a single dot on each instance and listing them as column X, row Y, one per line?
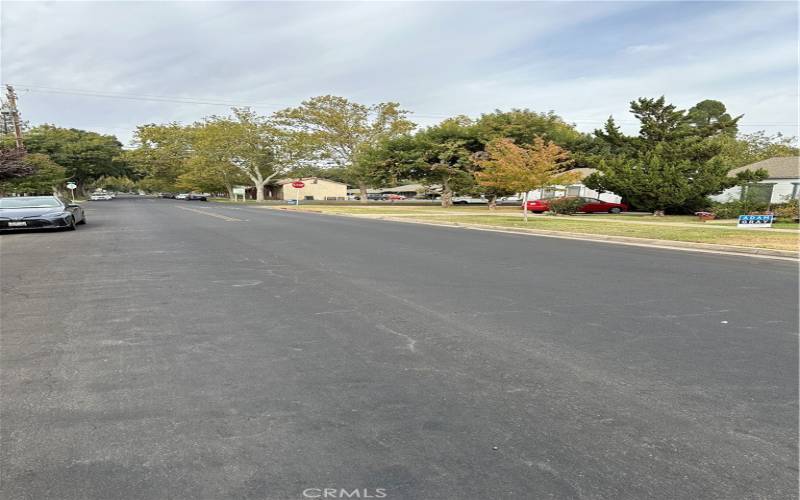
column 175, row 349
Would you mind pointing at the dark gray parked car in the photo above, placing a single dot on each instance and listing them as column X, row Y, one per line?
column 39, row 212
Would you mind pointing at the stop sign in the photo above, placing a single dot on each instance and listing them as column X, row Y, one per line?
column 298, row 184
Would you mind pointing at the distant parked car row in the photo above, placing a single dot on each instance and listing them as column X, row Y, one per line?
column 381, row 197
column 185, row 196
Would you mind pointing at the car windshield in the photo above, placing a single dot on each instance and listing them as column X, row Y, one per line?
column 30, row 202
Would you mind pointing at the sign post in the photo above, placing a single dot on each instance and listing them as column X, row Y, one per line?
column 71, row 186
column 298, row 185
column 238, row 191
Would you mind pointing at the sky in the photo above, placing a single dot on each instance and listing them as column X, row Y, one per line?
column 110, row 66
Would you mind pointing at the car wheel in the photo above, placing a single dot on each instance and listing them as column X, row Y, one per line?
column 71, row 225
column 615, row 210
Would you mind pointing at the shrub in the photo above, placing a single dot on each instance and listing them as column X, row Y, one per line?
column 733, row 209
column 789, row 210
column 566, row 206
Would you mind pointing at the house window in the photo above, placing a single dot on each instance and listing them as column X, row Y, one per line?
column 574, row 190
column 552, row 192
column 757, row 193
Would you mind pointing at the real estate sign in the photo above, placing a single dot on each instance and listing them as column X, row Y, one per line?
column 755, row 221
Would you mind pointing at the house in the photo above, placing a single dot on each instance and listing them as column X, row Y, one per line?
column 575, row 189
column 315, row 188
column 781, row 185
column 407, row 190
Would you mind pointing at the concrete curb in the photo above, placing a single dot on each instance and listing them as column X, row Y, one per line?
column 763, row 253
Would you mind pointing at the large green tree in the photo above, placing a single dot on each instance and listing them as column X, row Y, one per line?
column 438, row 155
column 674, row 162
column 85, row 155
column 524, row 126
column 159, row 153
column 251, row 145
column 345, row 133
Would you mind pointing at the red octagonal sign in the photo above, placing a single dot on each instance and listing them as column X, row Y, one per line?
column 298, row 184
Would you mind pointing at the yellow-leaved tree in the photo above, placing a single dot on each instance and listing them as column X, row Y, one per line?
column 507, row 166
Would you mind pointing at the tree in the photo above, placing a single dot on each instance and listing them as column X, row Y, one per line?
column 524, row 168
column 674, row 163
column 710, row 117
column 254, row 146
column 121, row 183
column 210, row 166
column 345, row 134
column 441, row 155
column 45, row 178
column 659, row 122
column 85, row 155
column 13, row 164
column 523, row 126
column 159, row 155
column 746, row 149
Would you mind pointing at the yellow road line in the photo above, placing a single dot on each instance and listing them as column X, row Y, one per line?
column 211, row 214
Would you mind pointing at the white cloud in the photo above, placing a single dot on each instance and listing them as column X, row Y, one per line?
column 585, row 61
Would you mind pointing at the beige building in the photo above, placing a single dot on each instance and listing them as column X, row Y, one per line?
column 315, row 189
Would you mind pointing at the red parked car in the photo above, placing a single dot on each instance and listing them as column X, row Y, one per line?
column 592, row 205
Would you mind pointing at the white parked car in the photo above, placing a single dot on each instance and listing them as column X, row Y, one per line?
column 182, row 196
column 469, row 200
column 100, row 196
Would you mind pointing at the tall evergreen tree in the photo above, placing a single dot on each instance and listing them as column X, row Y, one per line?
column 674, row 163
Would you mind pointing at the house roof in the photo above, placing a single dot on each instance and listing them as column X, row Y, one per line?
column 584, row 172
column 419, row 188
column 281, row 182
column 787, row 167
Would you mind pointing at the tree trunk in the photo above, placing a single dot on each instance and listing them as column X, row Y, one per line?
column 525, row 206
column 362, row 189
column 259, row 190
column 447, row 194
column 493, row 202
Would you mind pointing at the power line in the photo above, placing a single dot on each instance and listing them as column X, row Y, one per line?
column 220, row 102
column 172, row 99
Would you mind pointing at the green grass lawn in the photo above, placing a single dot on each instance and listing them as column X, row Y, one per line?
column 688, row 228
column 740, row 237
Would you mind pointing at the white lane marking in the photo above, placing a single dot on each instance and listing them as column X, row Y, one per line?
column 211, row 214
column 238, row 283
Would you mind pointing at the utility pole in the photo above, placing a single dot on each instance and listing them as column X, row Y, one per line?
column 12, row 103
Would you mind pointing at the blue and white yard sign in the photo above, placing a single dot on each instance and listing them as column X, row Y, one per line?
column 755, row 221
